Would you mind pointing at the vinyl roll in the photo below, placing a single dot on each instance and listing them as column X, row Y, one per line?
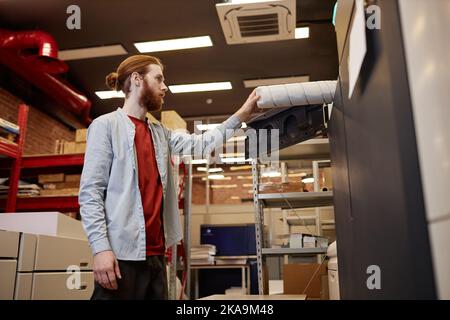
column 296, row 94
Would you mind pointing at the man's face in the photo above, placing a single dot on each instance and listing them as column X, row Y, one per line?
column 153, row 89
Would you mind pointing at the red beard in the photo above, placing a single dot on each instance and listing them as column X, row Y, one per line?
column 150, row 100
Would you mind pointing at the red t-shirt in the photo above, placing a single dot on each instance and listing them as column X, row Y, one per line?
column 150, row 187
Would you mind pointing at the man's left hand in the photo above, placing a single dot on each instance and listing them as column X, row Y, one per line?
column 249, row 107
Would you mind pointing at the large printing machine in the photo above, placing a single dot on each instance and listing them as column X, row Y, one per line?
column 390, row 157
column 44, row 256
column 389, row 144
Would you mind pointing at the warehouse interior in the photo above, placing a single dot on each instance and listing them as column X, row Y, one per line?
column 349, row 203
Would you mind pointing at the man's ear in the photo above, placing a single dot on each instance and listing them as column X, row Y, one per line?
column 136, row 78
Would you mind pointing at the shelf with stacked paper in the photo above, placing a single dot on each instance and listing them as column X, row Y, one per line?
column 12, row 147
column 289, row 197
column 46, row 164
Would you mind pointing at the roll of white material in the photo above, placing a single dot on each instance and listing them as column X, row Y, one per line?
column 296, row 94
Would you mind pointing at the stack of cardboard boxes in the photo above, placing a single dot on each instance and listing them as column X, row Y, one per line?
column 77, row 146
column 59, row 184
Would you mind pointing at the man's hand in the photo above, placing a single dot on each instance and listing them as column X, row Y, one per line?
column 106, row 269
column 249, row 107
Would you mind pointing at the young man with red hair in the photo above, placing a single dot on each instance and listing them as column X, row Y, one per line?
column 128, row 200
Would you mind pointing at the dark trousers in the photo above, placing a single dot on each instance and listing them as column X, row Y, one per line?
column 141, row 280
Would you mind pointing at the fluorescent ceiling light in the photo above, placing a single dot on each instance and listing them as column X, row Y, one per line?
column 271, row 174
column 302, row 33
column 274, row 81
column 245, row 177
column 224, row 186
column 199, row 161
column 210, row 126
column 308, row 180
column 200, row 87
column 217, row 177
column 237, row 139
column 110, row 94
column 235, row 198
column 174, row 44
column 231, row 154
column 210, row 169
column 247, row 185
column 92, row 52
column 236, row 168
column 293, row 175
column 235, row 160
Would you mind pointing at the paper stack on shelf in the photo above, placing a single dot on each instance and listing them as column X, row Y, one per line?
column 8, row 132
column 25, row 189
column 203, row 254
column 60, row 184
column 231, row 260
column 8, row 126
column 302, row 240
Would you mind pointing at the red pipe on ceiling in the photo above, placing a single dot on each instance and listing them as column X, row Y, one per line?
column 33, row 56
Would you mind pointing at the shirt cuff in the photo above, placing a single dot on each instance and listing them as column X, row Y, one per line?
column 232, row 122
column 100, row 245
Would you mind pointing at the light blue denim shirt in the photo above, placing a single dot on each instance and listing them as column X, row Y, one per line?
column 110, row 200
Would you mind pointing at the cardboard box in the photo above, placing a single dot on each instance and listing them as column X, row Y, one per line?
column 309, row 241
column 60, row 192
column 80, row 135
column 172, row 120
column 297, row 276
column 57, row 146
column 73, row 178
column 80, row 147
column 296, row 240
column 150, row 117
column 69, row 147
column 61, row 185
column 73, row 215
column 45, row 178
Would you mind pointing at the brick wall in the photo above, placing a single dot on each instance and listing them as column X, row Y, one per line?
column 42, row 129
column 222, row 195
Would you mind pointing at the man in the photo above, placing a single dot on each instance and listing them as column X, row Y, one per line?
column 128, row 201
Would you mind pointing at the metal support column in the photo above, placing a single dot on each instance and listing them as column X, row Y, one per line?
column 173, row 274
column 259, row 226
column 187, row 225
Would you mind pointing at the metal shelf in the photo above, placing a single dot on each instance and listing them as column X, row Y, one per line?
column 53, row 160
column 14, row 152
column 318, row 148
column 45, row 164
column 61, row 203
column 9, row 149
column 293, row 251
column 295, row 200
column 307, row 220
column 288, row 200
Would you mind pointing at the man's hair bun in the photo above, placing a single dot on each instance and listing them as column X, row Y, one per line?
column 111, row 80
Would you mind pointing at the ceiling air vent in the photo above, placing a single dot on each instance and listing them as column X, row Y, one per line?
column 257, row 21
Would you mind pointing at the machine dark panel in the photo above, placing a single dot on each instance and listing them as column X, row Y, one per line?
column 379, row 206
column 295, row 124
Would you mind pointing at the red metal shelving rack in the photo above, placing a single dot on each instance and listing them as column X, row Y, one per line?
column 38, row 164
column 15, row 152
